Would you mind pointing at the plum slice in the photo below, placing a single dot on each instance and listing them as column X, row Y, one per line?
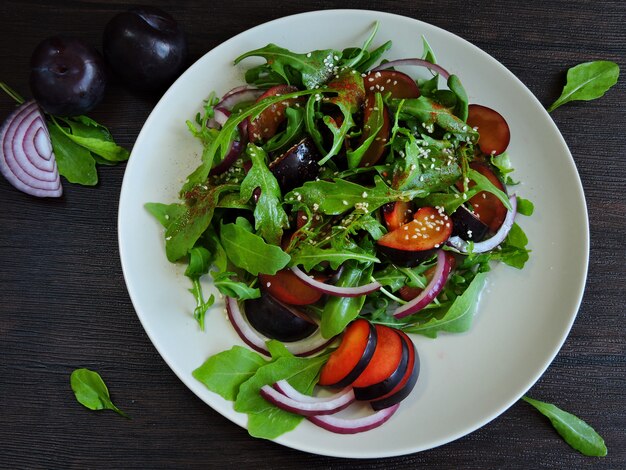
column 385, row 360
column 276, row 320
column 399, row 84
column 297, row 165
column 286, row 287
column 487, row 207
column 397, row 213
column 467, row 225
column 352, row 356
column 491, row 126
column 416, row 241
column 408, row 381
column 267, row 123
column 388, row 383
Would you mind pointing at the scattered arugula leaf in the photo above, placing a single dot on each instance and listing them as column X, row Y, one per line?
column 587, row 81
column 91, row 391
column 578, row 434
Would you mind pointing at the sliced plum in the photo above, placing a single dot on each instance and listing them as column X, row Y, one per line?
column 491, row 126
column 416, row 241
column 385, row 360
column 352, row 356
column 276, row 320
column 399, row 84
column 286, row 287
column 384, row 386
column 397, row 213
column 487, row 207
column 467, row 225
column 267, row 123
column 297, row 165
column 406, row 384
column 370, row 117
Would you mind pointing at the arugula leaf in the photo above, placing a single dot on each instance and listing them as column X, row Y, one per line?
column 339, row 311
column 75, row 162
column 374, row 124
column 503, row 167
column 428, row 53
column 224, row 372
column 250, row 252
column 94, row 137
column 309, row 256
column 338, row 196
column 295, row 126
column 587, row 81
column 315, row 67
column 183, row 232
column 578, row 434
column 513, row 250
column 458, row 318
column 91, row 391
column 462, row 101
column 525, row 207
column 269, row 215
column 227, row 286
column 199, row 264
column 165, row 213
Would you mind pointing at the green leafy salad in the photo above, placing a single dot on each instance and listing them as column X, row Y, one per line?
column 341, row 194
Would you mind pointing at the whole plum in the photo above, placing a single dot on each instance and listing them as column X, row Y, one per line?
column 68, row 76
column 145, row 47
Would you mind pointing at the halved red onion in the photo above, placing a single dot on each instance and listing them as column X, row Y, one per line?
column 334, row 290
column 340, row 425
column 442, row 271
column 310, row 407
column 417, row 62
column 306, row 347
column 463, row 247
column 27, row 160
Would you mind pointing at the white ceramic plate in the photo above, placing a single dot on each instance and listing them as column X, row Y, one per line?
column 466, row 380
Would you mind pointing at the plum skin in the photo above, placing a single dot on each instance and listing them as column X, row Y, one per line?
column 145, row 47
column 68, row 76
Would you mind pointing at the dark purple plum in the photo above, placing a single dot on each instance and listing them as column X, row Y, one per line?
column 145, row 47
column 276, row 320
column 405, row 258
column 467, row 226
column 297, row 165
column 68, row 76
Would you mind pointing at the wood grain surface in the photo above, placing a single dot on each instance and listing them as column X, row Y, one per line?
column 64, row 305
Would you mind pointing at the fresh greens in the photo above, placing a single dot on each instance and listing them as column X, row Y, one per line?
column 578, row 434
column 91, row 391
column 587, row 81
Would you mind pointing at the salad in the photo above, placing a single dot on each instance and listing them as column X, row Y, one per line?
column 343, row 204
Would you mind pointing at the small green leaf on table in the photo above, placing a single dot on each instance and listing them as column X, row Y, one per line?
column 91, row 391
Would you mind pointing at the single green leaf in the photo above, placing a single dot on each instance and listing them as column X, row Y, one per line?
column 95, row 138
column 428, row 53
column 165, row 213
column 269, row 216
column 309, row 256
column 524, row 206
column 231, row 288
column 294, row 128
column 587, row 81
column 373, row 126
column 75, row 162
column 224, row 372
column 250, row 252
column 184, row 231
column 91, row 391
column 338, row 196
column 578, row 434
column 462, row 101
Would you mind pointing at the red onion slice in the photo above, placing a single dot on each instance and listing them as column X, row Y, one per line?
column 220, row 115
column 306, row 347
column 340, row 425
column 286, row 389
column 487, row 245
column 418, row 62
column 308, row 407
column 334, row 290
column 236, row 96
column 442, row 271
column 234, row 150
column 26, row 157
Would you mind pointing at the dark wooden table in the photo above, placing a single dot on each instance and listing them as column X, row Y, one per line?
column 64, row 305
